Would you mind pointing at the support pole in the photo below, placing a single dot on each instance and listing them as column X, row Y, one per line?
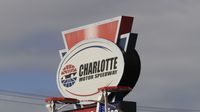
column 106, row 101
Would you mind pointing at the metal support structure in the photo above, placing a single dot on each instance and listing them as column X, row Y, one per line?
column 105, row 100
column 57, row 103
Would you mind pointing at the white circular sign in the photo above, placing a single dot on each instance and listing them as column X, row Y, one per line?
column 87, row 66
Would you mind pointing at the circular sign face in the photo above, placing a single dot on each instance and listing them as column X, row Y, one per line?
column 87, row 66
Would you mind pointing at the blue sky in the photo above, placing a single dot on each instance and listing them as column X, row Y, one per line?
column 168, row 44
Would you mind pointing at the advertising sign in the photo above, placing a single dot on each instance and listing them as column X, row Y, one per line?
column 98, row 55
column 89, row 65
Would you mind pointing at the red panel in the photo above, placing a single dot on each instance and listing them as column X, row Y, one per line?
column 115, row 88
column 62, row 99
column 74, row 37
column 126, row 25
column 109, row 29
column 106, row 31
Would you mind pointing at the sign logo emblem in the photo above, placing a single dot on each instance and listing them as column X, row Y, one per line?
column 68, row 75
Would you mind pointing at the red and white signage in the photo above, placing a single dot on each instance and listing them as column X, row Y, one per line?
column 110, row 29
column 89, row 65
column 94, row 57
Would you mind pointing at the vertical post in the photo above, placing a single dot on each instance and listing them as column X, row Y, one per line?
column 53, row 106
column 106, row 100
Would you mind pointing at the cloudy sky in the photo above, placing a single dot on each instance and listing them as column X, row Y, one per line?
column 168, row 44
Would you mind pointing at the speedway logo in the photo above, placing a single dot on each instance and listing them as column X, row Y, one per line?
column 90, row 64
column 68, row 77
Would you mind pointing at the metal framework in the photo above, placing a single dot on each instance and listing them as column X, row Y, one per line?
column 54, row 102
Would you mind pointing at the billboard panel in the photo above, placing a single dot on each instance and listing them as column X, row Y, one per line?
column 90, row 54
column 110, row 29
column 90, row 64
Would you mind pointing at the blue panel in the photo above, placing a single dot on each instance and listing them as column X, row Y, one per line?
column 122, row 43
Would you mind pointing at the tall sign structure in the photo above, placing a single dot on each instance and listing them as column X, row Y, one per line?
column 99, row 66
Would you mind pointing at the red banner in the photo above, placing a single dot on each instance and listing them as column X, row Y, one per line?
column 86, row 110
column 110, row 29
